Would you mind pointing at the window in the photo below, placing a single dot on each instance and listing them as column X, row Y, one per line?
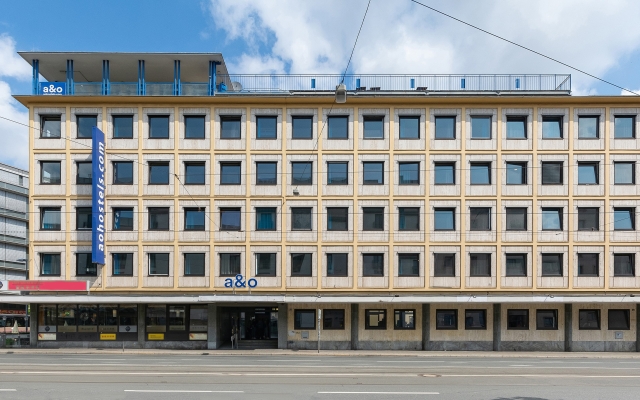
column 50, row 218
column 230, row 173
column 480, row 127
column 266, row 173
column 588, row 127
column 158, row 264
column 84, row 266
column 409, row 218
column 588, row 264
column 447, row 319
column 552, row 264
column 444, row 219
column 409, row 264
column 50, row 264
column 230, row 127
column 337, row 264
column 84, row 218
column 589, row 319
column 444, row 265
column 518, row 319
column 552, row 173
column 409, row 173
column 122, row 264
column 516, row 173
column 588, row 218
column 516, row 264
column 229, row 264
column 123, row 126
column 373, row 265
column 546, row 320
column 338, row 127
column 516, row 127
column 624, row 173
column 619, row 320
column 624, row 265
column 587, row 173
column 194, row 264
column 337, row 218
column 480, row 173
column 444, row 173
column 551, row 219
column 337, row 173
column 480, row 264
column 304, row 319
column 373, row 127
column 265, row 264
column 194, row 173
column 516, row 218
column 372, row 218
column 475, row 319
column 158, row 173
column 122, row 173
column 85, row 124
column 624, row 127
column 194, row 219
column 302, row 127
column 373, row 173
column 194, row 126
column 83, row 176
column 301, row 218
column 551, row 127
column 301, row 173
column 404, row 319
column 266, row 127
column 50, row 126
column 480, row 219
column 159, row 127
column 409, row 127
column 158, row 218
column 375, row 319
column 624, row 219
column 266, row 218
column 123, row 218
column 332, row 319
column 50, row 172
column 445, row 127
column 301, row 264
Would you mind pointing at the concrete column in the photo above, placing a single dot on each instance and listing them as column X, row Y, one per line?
column 212, row 327
column 568, row 327
column 283, row 325
column 637, row 327
column 142, row 317
column 426, row 319
column 355, row 324
column 33, row 325
column 497, row 326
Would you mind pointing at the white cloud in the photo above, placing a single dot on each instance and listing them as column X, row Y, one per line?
column 12, row 65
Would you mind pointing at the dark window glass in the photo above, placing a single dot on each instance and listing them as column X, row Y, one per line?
column 337, row 173
column 588, row 127
column 266, row 218
column 480, row 173
column 516, row 127
column 552, row 173
column 301, row 264
column 588, row 218
column 337, row 264
column 50, row 264
column 589, row 319
column 266, row 173
column 475, row 319
column 516, row 173
column 304, row 319
column 587, row 173
column 194, row 219
column 194, row 173
column 266, row 264
column 516, row 265
column 624, row 127
column 332, row 319
column 85, row 124
column 480, row 127
column 50, row 172
column 337, row 218
column 301, row 173
column 230, row 173
column 518, row 319
column 444, row 264
column 447, row 319
column 302, row 127
column 123, row 126
column 546, row 320
column 375, row 319
column 122, row 264
column 445, row 127
column 230, row 127
column 409, row 127
column 230, row 219
column 373, row 265
column 373, row 173
column 301, row 218
column 158, row 264
column 409, row 173
column 624, row 173
column 409, row 264
column 194, row 126
column 50, row 219
column 159, row 127
column 444, row 219
column 479, row 219
column 551, row 219
column 158, row 218
column 122, row 173
column 84, row 266
column 552, row 264
column 84, row 218
column 619, row 320
column 444, row 173
column 159, row 173
column 338, row 127
column 624, row 219
column 551, row 127
column 83, row 177
column 516, row 218
column 373, row 127
column 194, row 264
column 409, row 218
column 588, row 264
column 480, row 264
column 266, row 127
column 404, row 319
column 624, row 265
column 123, row 219
column 229, row 264
column 372, row 218
column 51, row 126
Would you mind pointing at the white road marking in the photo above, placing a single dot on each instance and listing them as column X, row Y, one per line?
column 8, row 390
column 411, row 361
column 183, row 391
column 378, row 393
column 519, row 365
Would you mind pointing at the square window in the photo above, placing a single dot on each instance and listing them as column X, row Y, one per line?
column 266, row 173
column 194, row 264
column 50, row 172
column 84, row 218
column 588, row 264
column 301, row 173
column 404, row 319
column 516, row 173
column 301, row 264
column 516, row 218
column 230, row 127
column 409, row 127
column 230, row 219
column 85, row 124
column 302, row 127
column 159, row 127
column 123, row 126
column 372, row 218
column 158, row 218
column 409, row 264
column 444, row 173
column 265, row 264
column 159, row 173
column 123, row 218
column 624, row 219
column 588, row 219
column 194, row 173
column 194, row 126
column 230, row 173
column 337, row 173
column 619, row 320
column 301, row 218
column 375, row 319
column 518, row 320
column 546, row 320
column 624, row 127
column 479, row 264
column 409, row 218
column 588, row 127
column 194, row 219
column 475, row 319
column 588, row 173
column 266, row 218
column 229, row 264
column 516, row 265
column 158, row 264
column 409, row 173
column 332, row 319
column 122, row 264
column 304, row 319
column 552, row 173
column 337, row 264
column 551, row 219
column 50, row 264
column 516, row 127
column 480, row 173
column 122, row 173
column 551, row 127
column 552, row 264
column 50, row 219
column 266, row 127
column 337, row 218
column 338, row 127
column 83, row 176
column 373, row 265
column 589, row 319
column 447, row 319
column 445, row 127
column 444, row 219
column 373, row 127
column 51, row 127
column 84, row 266
column 373, row 173
column 480, row 127
column 479, row 218
column 444, row 265
column 624, row 173
column 624, row 265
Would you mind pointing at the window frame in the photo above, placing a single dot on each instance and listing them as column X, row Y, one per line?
column 412, row 257
column 524, row 119
column 369, row 270
column 267, row 210
column 364, row 172
column 440, row 327
column 42, row 168
column 263, row 181
column 402, row 313
column 300, row 272
column 523, row 172
column 437, row 210
column 116, row 129
column 115, row 210
column 188, row 164
column 273, row 267
column 297, row 313
column 477, row 212
column 327, row 312
column 236, row 256
column 301, row 181
column 632, row 262
column 585, row 117
column 372, row 118
column 84, row 179
column 330, row 210
column 129, row 256
column 411, row 183
column 404, row 213
column 481, row 118
column 54, row 272
column 373, row 212
column 443, row 164
column 555, row 164
column 556, row 210
column 525, row 260
column 223, row 165
column 632, row 218
column 83, row 116
column 92, row 265
column 513, row 212
column 151, row 257
column 408, row 117
column 50, row 118
column 443, row 118
column 597, row 265
column 159, row 211
column 553, row 118
column 43, row 210
column 330, row 134
column 477, row 164
column 331, row 263
column 188, row 117
column 158, row 117
column 596, row 170
column 476, row 256
column 346, row 180
column 586, row 312
column 224, row 119
column 539, row 326
column 633, row 126
column 184, row 263
column 116, row 179
column 204, row 221
column 79, row 212
column 559, row 257
column 626, row 317
column 262, row 119
column 238, row 210
column 481, row 311
column 295, row 118
column 633, row 172
column 515, row 311
column 153, row 164
column 382, row 324
column 585, row 214
column 308, row 211
column 440, row 267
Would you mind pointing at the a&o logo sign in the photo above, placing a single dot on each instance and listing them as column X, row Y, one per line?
column 53, row 88
column 240, row 282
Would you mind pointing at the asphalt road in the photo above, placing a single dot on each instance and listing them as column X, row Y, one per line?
column 187, row 377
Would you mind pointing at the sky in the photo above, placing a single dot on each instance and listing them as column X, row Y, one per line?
column 317, row 36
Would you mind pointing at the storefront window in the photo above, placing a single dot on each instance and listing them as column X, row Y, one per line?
column 67, row 318
column 177, row 318
column 108, row 319
column 87, row 318
column 128, row 315
column 198, row 319
column 46, row 318
column 156, row 318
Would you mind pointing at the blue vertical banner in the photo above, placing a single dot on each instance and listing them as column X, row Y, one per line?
column 97, row 196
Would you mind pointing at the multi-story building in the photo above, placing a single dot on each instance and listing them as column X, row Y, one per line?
column 425, row 212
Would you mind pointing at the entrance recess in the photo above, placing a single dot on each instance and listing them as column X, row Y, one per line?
column 256, row 327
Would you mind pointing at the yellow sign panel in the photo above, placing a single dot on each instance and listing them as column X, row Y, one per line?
column 155, row 336
column 46, row 336
column 107, row 336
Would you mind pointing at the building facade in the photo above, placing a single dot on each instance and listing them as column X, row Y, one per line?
column 14, row 198
column 425, row 213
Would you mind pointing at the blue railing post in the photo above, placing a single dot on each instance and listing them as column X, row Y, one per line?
column 212, row 78
column 313, row 83
column 142, row 87
column 70, row 88
column 35, row 79
column 177, row 89
column 517, row 83
column 106, row 84
column 413, row 83
column 463, row 83
column 357, row 83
